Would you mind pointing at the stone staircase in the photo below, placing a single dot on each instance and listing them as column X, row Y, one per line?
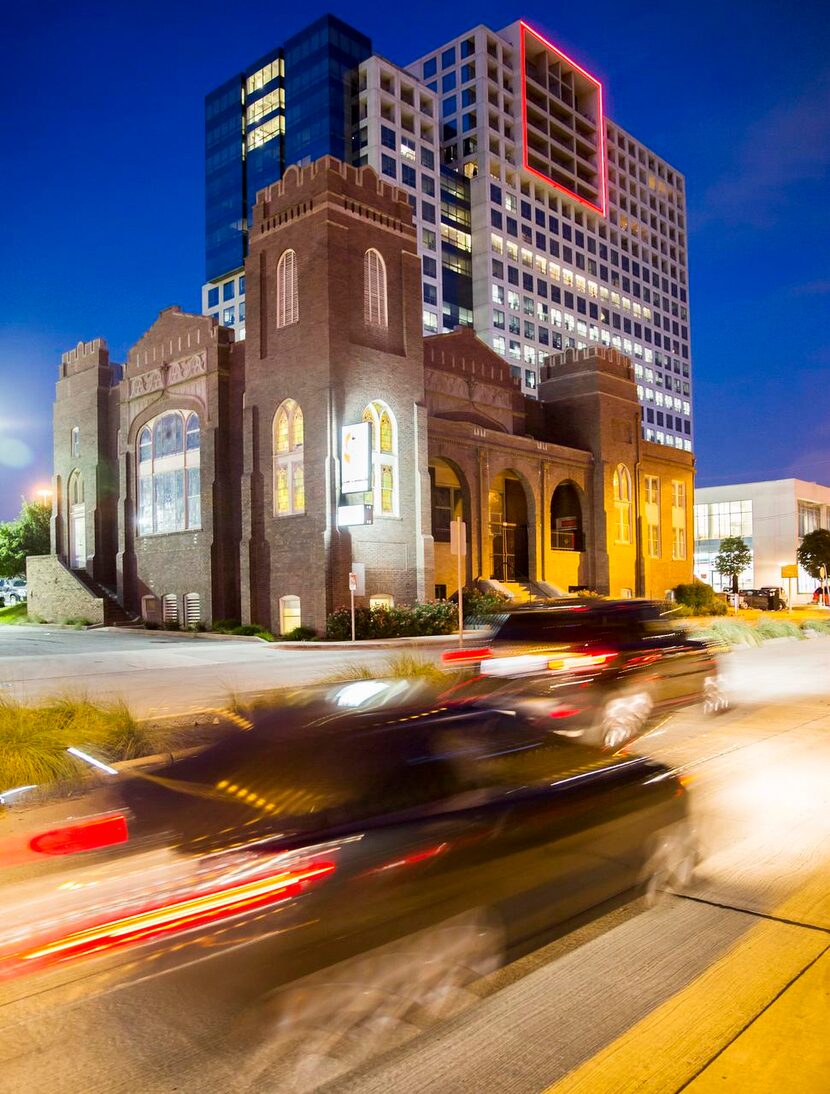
column 523, row 592
column 115, row 615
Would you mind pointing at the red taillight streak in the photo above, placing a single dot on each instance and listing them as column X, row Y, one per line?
column 155, row 921
column 579, row 662
column 465, row 655
column 89, row 835
column 427, row 852
column 564, row 712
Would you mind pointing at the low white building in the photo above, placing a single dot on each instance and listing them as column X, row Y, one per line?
column 772, row 517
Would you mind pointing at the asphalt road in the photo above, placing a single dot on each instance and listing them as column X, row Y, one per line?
column 726, row 986
column 161, row 674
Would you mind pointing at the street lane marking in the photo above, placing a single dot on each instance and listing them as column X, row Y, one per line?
column 781, row 1050
column 672, row 1045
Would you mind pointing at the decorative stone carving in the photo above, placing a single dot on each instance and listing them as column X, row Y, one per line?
column 186, row 367
column 146, row 383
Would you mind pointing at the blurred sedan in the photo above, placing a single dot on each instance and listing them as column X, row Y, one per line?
column 337, row 872
column 602, row 670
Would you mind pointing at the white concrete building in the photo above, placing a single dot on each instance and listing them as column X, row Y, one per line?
column 578, row 231
column 772, row 517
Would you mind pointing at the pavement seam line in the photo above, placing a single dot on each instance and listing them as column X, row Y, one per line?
column 692, row 764
column 749, row 911
column 628, row 1065
column 754, row 1019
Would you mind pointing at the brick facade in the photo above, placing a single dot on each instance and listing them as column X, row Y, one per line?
column 534, row 480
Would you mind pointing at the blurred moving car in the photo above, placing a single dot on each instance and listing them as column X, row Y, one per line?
column 600, row 671
column 333, row 875
column 822, row 595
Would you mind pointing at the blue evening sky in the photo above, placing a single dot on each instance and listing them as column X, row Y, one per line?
column 101, row 190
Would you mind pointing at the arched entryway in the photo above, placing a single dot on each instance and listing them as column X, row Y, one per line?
column 77, row 521
column 449, row 501
column 566, row 532
column 509, row 528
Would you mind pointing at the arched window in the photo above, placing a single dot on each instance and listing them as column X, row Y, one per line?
column 290, row 614
column 77, row 520
column 566, row 519
column 169, row 478
column 289, row 471
column 622, row 504
column 288, row 305
column 384, row 494
column 76, row 488
column 374, row 289
column 75, row 441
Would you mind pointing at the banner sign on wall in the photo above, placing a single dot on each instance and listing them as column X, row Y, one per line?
column 356, row 461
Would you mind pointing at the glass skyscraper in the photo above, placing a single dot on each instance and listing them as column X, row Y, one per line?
column 290, row 106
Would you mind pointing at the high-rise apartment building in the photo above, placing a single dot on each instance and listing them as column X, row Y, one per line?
column 540, row 222
column 287, row 107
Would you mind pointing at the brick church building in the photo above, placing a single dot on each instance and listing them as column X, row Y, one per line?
column 210, row 479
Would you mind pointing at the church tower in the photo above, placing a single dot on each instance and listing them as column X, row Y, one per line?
column 334, row 423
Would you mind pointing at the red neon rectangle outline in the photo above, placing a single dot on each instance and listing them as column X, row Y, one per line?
column 603, row 208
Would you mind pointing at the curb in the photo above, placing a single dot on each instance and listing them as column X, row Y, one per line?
column 376, row 643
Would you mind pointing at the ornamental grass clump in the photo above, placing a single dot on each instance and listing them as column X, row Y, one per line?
column 34, row 739
column 729, row 632
column 777, row 628
column 402, row 667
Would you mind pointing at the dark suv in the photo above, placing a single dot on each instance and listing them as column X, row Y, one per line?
column 769, row 598
column 598, row 670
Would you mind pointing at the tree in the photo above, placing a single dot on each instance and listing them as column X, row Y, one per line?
column 814, row 552
column 27, row 535
column 733, row 558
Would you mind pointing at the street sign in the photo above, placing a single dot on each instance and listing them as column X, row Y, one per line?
column 790, row 570
column 352, row 583
column 458, row 537
column 349, row 516
column 359, row 572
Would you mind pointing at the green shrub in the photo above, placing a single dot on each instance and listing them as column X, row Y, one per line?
column 224, row 626
column 252, row 630
column 678, row 611
column 436, row 617
column 479, row 606
column 777, row 628
column 300, row 634
column 700, row 598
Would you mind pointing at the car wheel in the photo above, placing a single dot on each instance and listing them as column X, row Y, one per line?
column 671, row 862
column 715, row 697
column 331, row 1022
column 13, row 599
column 623, row 716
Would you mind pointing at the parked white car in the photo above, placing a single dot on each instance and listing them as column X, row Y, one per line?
column 14, row 590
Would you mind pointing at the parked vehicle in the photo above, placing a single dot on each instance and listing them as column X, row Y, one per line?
column 329, row 880
column 767, row 598
column 822, row 595
column 601, row 670
column 731, row 598
column 14, row 591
